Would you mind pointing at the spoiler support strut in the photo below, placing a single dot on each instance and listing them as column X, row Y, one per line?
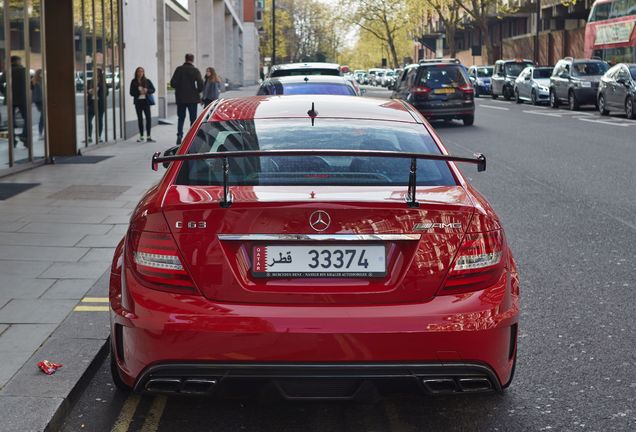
column 479, row 159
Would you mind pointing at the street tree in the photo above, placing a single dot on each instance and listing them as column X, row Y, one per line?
column 384, row 19
column 451, row 14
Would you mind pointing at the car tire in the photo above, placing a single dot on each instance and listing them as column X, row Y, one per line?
column 468, row 120
column 533, row 96
column 116, row 374
column 601, row 105
column 573, row 104
column 493, row 95
column 517, row 98
column 476, row 91
column 554, row 101
column 629, row 108
column 506, row 94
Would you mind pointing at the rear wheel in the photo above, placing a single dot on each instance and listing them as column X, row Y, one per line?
column 573, row 104
column 493, row 95
column 629, row 108
column 517, row 98
column 533, row 96
column 554, row 101
column 506, row 93
column 115, row 373
column 602, row 108
column 468, row 120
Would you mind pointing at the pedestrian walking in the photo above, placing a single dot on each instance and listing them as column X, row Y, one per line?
column 211, row 87
column 97, row 92
column 142, row 90
column 36, row 88
column 188, row 84
column 18, row 92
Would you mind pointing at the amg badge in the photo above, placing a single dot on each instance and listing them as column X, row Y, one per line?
column 431, row 225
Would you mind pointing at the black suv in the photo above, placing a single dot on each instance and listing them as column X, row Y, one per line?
column 576, row 81
column 618, row 90
column 439, row 89
column 504, row 76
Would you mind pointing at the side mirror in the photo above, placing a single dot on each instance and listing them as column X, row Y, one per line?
column 170, row 152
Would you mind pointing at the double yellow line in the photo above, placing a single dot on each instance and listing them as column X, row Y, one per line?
column 93, row 307
column 152, row 418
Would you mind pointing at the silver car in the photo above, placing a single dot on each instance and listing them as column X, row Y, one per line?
column 533, row 84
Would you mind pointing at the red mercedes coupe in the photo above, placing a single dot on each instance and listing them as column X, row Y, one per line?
column 314, row 247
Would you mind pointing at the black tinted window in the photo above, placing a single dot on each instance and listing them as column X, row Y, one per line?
column 632, row 71
column 514, row 69
column 441, row 76
column 600, row 12
column 297, row 72
column 542, row 73
column 315, row 170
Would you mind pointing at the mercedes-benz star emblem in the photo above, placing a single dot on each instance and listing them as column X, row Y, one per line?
column 319, row 220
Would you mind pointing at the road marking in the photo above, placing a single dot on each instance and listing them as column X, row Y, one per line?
column 542, row 113
column 95, row 300
column 608, row 122
column 83, row 308
column 151, row 424
column 126, row 414
column 494, row 107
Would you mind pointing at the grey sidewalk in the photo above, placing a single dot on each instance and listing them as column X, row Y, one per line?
column 58, row 238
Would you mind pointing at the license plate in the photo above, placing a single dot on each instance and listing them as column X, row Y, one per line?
column 316, row 260
column 586, row 84
column 444, row 90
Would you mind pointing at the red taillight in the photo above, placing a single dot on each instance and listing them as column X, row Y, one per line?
column 422, row 90
column 467, row 88
column 155, row 259
column 478, row 264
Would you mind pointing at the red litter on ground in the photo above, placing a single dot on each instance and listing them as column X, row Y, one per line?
column 48, row 367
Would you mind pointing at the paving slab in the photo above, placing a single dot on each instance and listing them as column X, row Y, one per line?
column 17, row 286
column 41, row 253
column 11, row 363
column 27, row 414
column 23, row 268
column 3, row 327
column 11, row 226
column 99, row 241
column 63, row 228
column 36, row 311
column 86, row 270
column 99, row 254
column 24, row 337
column 68, row 289
column 39, row 239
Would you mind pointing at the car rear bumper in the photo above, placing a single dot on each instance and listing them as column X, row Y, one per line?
column 432, row 112
column 586, row 95
column 316, row 381
column 161, row 328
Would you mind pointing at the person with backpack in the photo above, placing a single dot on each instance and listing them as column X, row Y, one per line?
column 211, row 87
column 188, row 84
column 142, row 90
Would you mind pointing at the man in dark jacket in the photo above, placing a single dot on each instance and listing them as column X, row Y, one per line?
column 187, row 84
column 18, row 90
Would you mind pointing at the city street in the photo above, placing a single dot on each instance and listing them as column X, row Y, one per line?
column 563, row 184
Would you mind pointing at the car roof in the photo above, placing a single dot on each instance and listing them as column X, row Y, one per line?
column 297, row 106
column 314, row 65
column 335, row 79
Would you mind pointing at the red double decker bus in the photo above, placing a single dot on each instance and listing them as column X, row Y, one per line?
column 610, row 31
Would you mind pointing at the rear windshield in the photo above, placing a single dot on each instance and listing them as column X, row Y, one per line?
column 435, row 77
column 589, row 68
column 304, row 71
column 514, row 69
column 307, row 88
column 483, row 72
column 542, row 73
column 280, row 134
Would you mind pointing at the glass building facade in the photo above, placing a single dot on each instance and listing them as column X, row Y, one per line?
column 23, row 78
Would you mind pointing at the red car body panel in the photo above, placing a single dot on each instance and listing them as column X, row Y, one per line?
column 231, row 316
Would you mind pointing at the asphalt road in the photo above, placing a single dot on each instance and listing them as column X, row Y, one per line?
column 564, row 185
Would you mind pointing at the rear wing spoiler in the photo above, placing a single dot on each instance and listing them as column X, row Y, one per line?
column 478, row 159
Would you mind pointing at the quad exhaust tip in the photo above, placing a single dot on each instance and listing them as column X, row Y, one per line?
column 194, row 386
column 447, row 385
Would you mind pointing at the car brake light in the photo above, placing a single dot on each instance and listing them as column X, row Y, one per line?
column 155, row 259
column 467, row 88
column 478, row 263
column 421, row 90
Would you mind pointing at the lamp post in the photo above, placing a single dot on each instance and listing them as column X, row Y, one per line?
column 273, row 32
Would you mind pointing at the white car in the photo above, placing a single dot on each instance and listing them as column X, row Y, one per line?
column 533, row 84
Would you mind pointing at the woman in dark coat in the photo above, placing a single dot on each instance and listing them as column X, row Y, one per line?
column 142, row 90
column 101, row 94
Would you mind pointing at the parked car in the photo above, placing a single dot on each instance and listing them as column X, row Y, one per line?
column 576, row 82
column 371, row 75
column 504, row 76
column 438, row 90
column 617, row 90
column 358, row 75
column 533, row 84
column 377, row 78
column 387, row 78
column 481, row 76
column 394, row 78
column 304, row 69
column 311, row 84
column 310, row 272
